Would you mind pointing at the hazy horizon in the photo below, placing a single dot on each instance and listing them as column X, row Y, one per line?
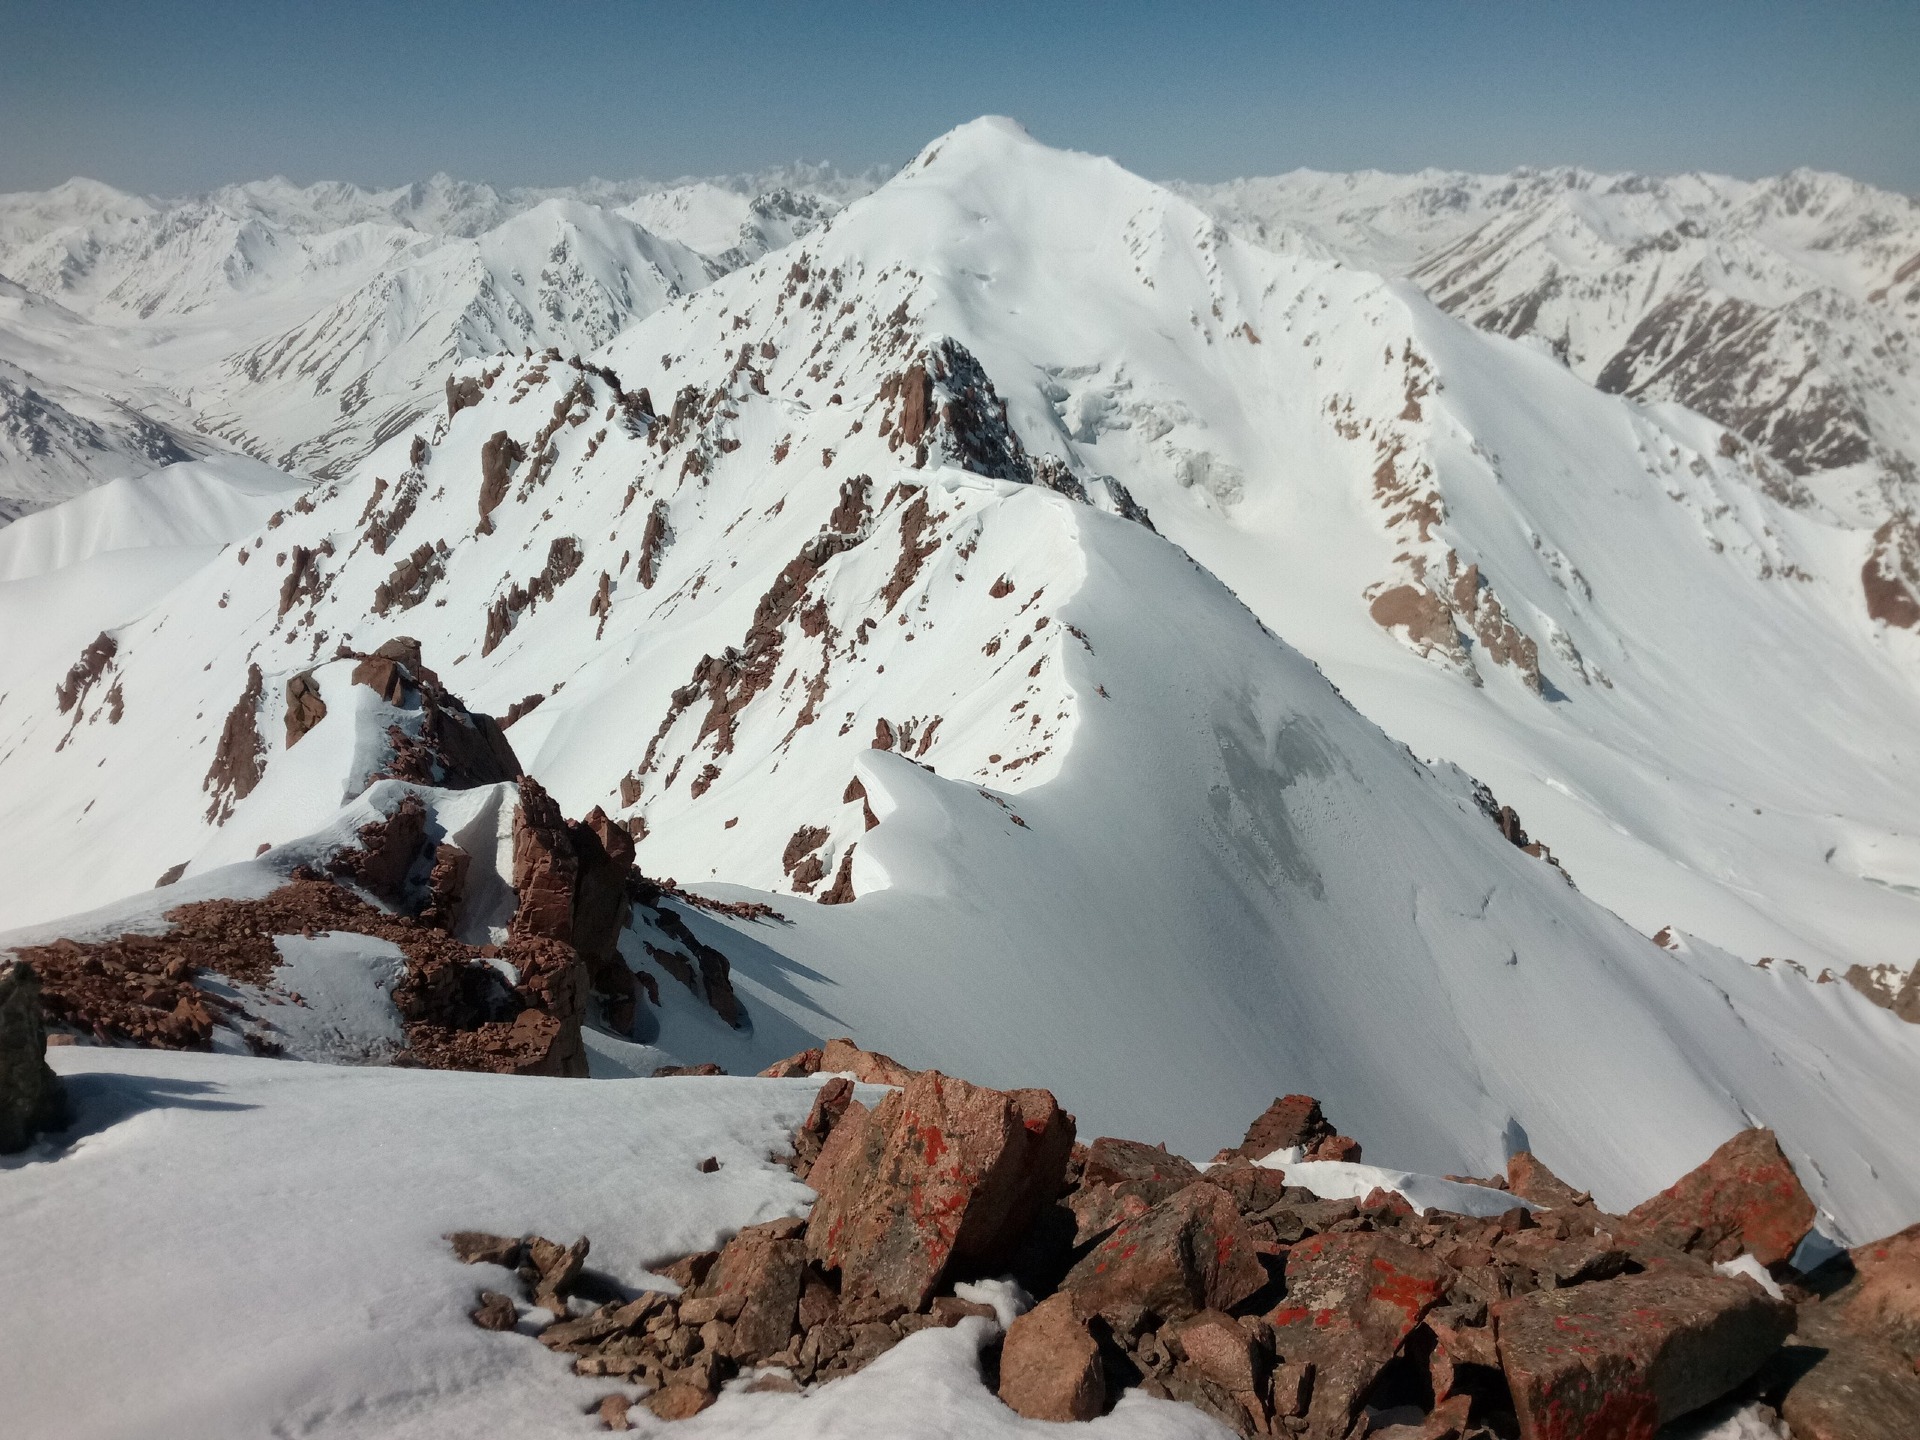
column 180, row 99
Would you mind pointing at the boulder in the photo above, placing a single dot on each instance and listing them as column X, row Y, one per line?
column 494, row 1312
column 1745, row 1196
column 1191, row 1252
column 1847, row 1383
column 1121, row 1179
column 1050, row 1364
column 1884, row 1297
column 1292, row 1120
column 1216, row 1347
column 758, row 1278
column 1352, row 1298
column 829, row 1105
column 1617, row 1359
column 31, row 1098
column 942, row 1175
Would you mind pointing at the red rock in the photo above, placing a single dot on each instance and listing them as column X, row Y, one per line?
column 829, row 1106
column 869, row 1067
column 1254, row 1187
column 942, row 1174
column 612, row 1411
column 1847, row 1383
column 1530, row 1179
column 1121, row 1179
column 558, row 1268
column 1884, row 1298
column 1337, row 1147
column 1189, row 1253
column 1744, row 1197
column 763, row 1265
column 544, row 866
column 679, row 1402
column 1292, row 1388
column 476, row 1247
column 1291, row 1120
column 495, row 1312
column 1050, row 1364
column 1617, row 1359
column 1219, row 1348
column 1352, row 1299
column 807, row 1062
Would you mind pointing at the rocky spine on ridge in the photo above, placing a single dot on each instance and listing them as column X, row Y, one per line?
column 1272, row 1310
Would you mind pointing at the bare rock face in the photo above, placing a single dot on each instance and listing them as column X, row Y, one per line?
column 305, row 708
column 31, row 1099
column 240, row 759
column 1352, row 1299
column 455, row 748
column 1744, row 1197
column 1050, row 1364
column 758, row 1280
column 387, row 851
column 1619, row 1358
column 498, row 455
column 1189, row 1253
column 545, row 867
column 942, row 1175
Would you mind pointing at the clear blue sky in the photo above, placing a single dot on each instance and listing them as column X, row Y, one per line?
column 166, row 97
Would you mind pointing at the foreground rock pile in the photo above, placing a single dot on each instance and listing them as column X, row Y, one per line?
column 1272, row 1310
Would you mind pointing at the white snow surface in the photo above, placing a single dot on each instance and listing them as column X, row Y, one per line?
column 1147, row 856
column 259, row 1247
column 1349, row 1180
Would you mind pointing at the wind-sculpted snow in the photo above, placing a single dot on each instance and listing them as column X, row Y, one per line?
column 1042, row 799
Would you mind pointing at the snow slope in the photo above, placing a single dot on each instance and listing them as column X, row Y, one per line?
column 1117, row 836
column 296, row 1212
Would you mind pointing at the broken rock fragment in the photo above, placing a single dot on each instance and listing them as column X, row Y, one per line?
column 1619, row 1358
column 1191, row 1252
column 1745, row 1196
column 31, row 1099
column 1050, row 1364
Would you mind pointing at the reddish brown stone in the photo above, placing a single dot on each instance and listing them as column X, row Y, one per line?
column 544, row 866
column 1189, row 1253
column 495, row 1312
column 869, row 1067
column 1219, row 1348
column 829, row 1106
column 1617, row 1359
column 1884, row 1297
column 1745, row 1196
column 1530, row 1179
column 807, row 1062
column 763, row 1266
column 1847, row 1383
column 476, row 1247
column 1291, row 1120
column 1352, row 1299
column 1121, row 1179
column 679, row 1402
column 942, row 1174
column 1050, row 1364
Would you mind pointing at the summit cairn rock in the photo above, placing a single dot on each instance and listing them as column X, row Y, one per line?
column 31, row 1099
column 1745, row 1196
column 941, row 1175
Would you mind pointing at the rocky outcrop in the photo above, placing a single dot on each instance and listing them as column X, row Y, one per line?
column 451, row 747
column 1625, row 1356
column 498, row 455
column 1745, row 1197
column 305, row 707
column 1890, row 578
column 240, row 759
column 942, row 1176
column 31, row 1099
column 1273, row 1311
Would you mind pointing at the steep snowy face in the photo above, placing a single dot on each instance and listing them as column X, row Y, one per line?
column 807, row 580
